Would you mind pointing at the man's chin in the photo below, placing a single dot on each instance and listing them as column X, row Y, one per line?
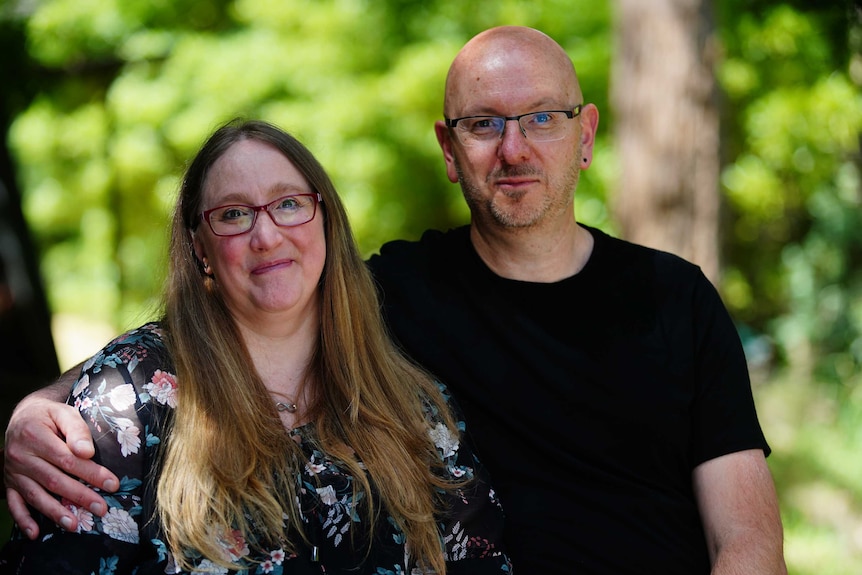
column 515, row 219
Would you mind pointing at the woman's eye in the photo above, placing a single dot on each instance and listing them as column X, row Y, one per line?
column 233, row 214
column 288, row 204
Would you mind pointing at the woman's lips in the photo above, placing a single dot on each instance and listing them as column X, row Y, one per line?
column 271, row 266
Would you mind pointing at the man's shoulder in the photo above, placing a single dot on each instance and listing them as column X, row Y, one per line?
column 410, row 256
column 630, row 257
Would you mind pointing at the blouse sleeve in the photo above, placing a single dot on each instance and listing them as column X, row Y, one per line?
column 113, row 394
column 472, row 520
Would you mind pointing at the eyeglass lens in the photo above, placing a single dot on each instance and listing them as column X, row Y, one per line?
column 537, row 126
column 286, row 211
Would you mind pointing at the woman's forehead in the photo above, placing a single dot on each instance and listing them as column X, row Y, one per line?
column 251, row 170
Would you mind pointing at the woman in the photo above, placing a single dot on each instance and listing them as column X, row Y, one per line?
column 267, row 424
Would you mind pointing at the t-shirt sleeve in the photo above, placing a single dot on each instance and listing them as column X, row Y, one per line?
column 724, row 417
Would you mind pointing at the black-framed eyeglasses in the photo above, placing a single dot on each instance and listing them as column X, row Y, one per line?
column 286, row 211
column 544, row 126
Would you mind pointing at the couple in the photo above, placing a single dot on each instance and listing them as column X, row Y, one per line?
column 603, row 383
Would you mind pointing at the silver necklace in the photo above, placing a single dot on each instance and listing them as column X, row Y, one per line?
column 288, row 407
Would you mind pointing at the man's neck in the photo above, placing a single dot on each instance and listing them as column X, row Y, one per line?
column 533, row 254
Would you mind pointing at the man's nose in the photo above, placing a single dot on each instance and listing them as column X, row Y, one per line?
column 514, row 145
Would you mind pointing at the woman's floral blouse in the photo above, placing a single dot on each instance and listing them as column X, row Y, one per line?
column 125, row 393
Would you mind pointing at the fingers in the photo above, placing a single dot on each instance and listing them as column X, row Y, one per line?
column 21, row 515
column 70, row 425
column 39, row 463
column 75, row 491
column 23, row 489
column 34, row 440
column 33, row 493
column 73, row 457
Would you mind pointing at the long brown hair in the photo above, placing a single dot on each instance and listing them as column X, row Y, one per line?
column 228, row 462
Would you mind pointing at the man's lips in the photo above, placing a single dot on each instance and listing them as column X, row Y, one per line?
column 266, row 267
column 514, row 183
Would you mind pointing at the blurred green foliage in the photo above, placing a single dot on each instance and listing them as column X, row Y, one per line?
column 127, row 90
column 137, row 85
column 791, row 126
column 794, row 236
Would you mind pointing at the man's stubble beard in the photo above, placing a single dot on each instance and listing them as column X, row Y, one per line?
column 516, row 216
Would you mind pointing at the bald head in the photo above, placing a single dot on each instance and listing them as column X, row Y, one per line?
column 510, row 63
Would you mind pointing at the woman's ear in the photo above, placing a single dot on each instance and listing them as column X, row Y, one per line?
column 199, row 254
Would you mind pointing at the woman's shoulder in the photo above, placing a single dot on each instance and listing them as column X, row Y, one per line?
column 145, row 343
column 137, row 362
column 148, row 337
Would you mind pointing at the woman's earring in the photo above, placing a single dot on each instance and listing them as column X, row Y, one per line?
column 207, row 269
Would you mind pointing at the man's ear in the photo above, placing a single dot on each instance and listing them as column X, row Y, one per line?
column 589, row 121
column 444, row 138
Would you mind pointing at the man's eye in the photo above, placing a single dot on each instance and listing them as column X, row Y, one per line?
column 542, row 118
column 482, row 125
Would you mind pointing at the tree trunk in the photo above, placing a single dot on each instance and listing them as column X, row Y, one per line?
column 663, row 94
column 28, row 359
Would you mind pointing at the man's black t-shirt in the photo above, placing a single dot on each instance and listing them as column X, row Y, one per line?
column 591, row 399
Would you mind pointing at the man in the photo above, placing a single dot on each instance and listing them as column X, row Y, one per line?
column 605, row 383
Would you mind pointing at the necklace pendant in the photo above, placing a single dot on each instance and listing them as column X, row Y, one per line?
column 288, row 407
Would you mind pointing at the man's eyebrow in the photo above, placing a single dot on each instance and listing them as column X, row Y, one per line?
column 538, row 106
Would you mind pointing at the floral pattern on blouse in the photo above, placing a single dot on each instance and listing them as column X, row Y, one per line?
column 126, row 393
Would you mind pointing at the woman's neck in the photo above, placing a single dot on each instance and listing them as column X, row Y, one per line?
column 282, row 354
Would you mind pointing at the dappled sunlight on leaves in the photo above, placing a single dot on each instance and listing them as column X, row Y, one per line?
column 816, row 435
column 129, row 90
